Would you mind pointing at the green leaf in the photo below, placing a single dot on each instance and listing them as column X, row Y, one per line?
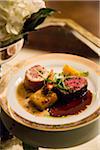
column 13, row 39
column 84, row 74
column 36, row 19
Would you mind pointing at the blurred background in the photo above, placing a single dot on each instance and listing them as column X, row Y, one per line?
column 84, row 12
column 61, row 39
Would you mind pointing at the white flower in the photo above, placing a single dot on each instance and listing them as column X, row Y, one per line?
column 13, row 13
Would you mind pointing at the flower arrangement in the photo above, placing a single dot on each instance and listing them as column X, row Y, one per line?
column 18, row 18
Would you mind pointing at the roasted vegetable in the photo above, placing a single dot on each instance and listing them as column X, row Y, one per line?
column 42, row 100
column 68, row 70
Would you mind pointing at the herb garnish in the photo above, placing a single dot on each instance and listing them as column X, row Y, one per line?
column 59, row 81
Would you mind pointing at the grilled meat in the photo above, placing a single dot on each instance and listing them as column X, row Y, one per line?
column 34, row 77
column 75, row 86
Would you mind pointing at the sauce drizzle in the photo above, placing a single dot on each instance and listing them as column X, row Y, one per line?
column 74, row 106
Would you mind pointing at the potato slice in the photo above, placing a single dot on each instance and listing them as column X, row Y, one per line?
column 42, row 101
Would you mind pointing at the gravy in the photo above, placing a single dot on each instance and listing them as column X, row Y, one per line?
column 73, row 107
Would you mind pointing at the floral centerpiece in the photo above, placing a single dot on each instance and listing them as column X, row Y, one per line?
column 19, row 17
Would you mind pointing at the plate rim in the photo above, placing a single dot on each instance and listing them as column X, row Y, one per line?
column 51, row 128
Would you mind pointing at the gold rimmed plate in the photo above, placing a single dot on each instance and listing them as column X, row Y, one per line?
column 56, row 61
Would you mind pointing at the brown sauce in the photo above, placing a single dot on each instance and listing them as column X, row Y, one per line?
column 72, row 107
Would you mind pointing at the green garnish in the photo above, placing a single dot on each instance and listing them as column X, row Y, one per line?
column 84, row 74
column 59, row 80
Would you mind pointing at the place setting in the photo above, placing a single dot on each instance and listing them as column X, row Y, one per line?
column 51, row 99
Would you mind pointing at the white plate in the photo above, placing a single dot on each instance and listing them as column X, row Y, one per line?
column 56, row 61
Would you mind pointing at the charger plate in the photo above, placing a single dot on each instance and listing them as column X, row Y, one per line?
column 55, row 61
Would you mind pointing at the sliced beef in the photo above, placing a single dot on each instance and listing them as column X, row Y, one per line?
column 75, row 87
column 34, row 77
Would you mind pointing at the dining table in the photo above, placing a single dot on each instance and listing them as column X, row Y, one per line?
column 68, row 38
